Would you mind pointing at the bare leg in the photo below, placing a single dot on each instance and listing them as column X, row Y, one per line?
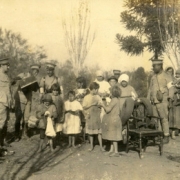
column 70, row 138
column 91, row 142
column 73, row 141
column 112, row 148
column 100, row 142
column 51, row 144
column 115, row 144
column 40, row 145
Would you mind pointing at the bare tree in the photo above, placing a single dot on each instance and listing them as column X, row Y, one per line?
column 78, row 35
column 169, row 29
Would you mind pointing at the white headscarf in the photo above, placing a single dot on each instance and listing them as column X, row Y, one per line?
column 123, row 77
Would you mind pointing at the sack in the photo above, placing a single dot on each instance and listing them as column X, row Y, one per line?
column 50, row 129
column 159, row 96
column 32, row 122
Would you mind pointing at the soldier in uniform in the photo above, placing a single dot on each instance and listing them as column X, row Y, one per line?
column 161, row 95
column 50, row 79
column 6, row 101
column 117, row 73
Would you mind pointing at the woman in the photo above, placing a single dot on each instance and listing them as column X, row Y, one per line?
column 111, row 123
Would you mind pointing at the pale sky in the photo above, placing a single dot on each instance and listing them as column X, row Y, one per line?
column 40, row 21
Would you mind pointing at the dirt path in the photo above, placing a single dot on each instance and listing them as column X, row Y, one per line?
column 79, row 164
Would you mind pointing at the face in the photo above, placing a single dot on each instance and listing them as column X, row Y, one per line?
column 55, row 92
column 100, row 78
column 170, row 72
column 117, row 75
column 79, row 85
column 124, row 83
column 112, row 82
column 50, row 72
column 46, row 103
column 5, row 68
column 157, row 68
column 35, row 72
column 94, row 91
column 71, row 97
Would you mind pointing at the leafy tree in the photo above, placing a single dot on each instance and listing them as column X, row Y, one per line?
column 21, row 54
column 143, row 19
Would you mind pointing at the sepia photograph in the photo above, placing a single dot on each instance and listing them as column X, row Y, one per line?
column 89, row 89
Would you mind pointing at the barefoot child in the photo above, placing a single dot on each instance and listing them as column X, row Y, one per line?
column 46, row 106
column 92, row 110
column 58, row 102
column 72, row 124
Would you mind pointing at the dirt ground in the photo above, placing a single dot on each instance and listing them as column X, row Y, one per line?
column 79, row 164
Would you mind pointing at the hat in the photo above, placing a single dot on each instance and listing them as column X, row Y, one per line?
column 112, row 77
column 123, row 77
column 116, row 71
column 99, row 73
column 47, row 98
column 4, row 61
column 157, row 61
column 35, row 66
column 50, row 65
column 178, row 71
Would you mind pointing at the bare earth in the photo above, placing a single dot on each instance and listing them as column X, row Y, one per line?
column 79, row 164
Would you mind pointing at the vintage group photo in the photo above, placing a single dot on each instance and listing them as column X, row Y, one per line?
column 90, row 90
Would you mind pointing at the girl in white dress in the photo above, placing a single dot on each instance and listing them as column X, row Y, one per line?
column 72, row 124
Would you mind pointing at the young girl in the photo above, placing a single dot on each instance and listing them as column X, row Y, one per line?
column 72, row 124
column 42, row 116
column 111, row 123
column 58, row 102
column 91, row 105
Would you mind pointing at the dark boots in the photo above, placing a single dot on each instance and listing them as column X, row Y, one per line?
column 166, row 140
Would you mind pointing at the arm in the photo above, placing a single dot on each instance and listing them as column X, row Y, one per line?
column 109, row 108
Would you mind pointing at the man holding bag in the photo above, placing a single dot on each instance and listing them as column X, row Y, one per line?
column 161, row 95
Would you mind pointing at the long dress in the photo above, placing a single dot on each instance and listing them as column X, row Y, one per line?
column 92, row 115
column 111, row 123
column 72, row 124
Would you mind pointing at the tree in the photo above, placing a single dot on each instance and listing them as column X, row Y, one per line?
column 168, row 12
column 141, row 18
column 21, row 54
column 78, row 35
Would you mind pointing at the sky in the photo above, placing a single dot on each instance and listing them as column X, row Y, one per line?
column 40, row 22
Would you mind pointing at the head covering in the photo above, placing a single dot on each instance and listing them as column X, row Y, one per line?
column 123, row 77
column 47, row 98
column 99, row 73
column 50, row 65
column 35, row 66
column 4, row 61
column 112, row 77
column 116, row 71
column 157, row 61
column 178, row 71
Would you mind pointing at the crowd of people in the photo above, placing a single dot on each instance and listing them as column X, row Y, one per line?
column 95, row 110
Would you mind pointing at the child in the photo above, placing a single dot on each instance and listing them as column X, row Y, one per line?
column 111, row 123
column 92, row 110
column 58, row 102
column 72, row 124
column 47, row 105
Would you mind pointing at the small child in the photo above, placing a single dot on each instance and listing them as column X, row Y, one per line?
column 72, row 124
column 58, row 102
column 92, row 107
column 47, row 105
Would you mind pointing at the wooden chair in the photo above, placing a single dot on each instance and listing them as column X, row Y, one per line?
column 139, row 133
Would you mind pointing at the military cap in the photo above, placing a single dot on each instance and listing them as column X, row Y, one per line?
column 4, row 61
column 47, row 98
column 50, row 65
column 35, row 66
column 157, row 61
column 116, row 71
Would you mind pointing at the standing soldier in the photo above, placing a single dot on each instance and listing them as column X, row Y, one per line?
column 50, row 79
column 161, row 95
column 117, row 73
column 6, row 101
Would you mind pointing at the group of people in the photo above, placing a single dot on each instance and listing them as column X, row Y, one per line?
column 95, row 110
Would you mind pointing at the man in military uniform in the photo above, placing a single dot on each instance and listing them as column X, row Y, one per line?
column 50, row 79
column 6, row 101
column 161, row 94
column 117, row 73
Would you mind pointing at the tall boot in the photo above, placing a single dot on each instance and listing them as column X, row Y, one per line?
column 166, row 140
